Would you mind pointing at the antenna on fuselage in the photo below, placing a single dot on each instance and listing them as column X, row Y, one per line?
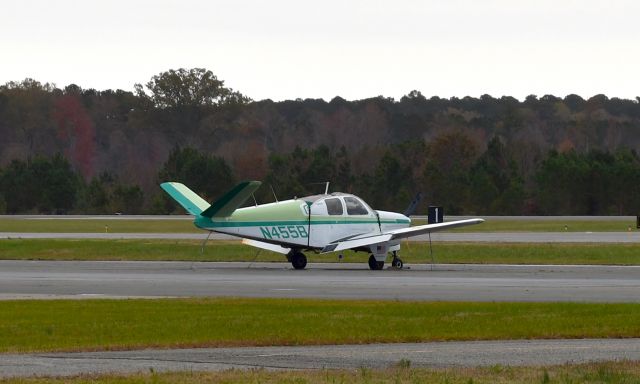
column 254, row 199
column 326, row 189
column 274, row 192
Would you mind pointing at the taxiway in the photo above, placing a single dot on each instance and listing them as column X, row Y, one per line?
column 437, row 354
column 457, row 282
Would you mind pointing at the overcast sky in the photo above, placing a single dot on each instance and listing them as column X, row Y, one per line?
column 354, row 49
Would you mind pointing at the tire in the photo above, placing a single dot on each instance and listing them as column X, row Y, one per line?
column 298, row 260
column 375, row 265
column 397, row 263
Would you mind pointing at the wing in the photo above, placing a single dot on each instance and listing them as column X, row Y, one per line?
column 428, row 228
column 355, row 243
column 268, row 246
column 364, row 240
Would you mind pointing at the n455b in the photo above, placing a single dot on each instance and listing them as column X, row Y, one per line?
column 284, row 232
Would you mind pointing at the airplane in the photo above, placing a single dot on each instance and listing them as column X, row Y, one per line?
column 323, row 223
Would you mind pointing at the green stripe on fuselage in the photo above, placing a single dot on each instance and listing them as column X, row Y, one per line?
column 289, row 212
column 204, row 222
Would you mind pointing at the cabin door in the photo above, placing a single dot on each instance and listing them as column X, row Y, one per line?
column 326, row 222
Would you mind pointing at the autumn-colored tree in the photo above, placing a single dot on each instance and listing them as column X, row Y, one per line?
column 76, row 131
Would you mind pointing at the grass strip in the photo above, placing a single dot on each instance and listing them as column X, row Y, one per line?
column 34, row 225
column 601, row 373
column 412, row 252
column 70, row 325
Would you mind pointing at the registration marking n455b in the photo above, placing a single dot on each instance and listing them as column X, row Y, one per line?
column 284, row 232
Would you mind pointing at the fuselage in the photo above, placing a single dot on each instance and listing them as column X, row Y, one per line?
column 306, row 223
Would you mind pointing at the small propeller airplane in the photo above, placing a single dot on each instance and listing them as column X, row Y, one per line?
column 320, row 223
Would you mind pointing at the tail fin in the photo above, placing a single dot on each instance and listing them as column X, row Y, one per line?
column 222, row 207
column 231, row 200
column 189, row 200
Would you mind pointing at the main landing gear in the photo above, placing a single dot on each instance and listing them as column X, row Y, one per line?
column 297, row 259
column 374, row 264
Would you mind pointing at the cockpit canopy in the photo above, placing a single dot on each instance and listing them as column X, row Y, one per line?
column 338, row 204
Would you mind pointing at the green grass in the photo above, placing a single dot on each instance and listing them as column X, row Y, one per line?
column 601, row 373
column 412, row 252
column 178, row 250
column 59, row 325
column 186, row 226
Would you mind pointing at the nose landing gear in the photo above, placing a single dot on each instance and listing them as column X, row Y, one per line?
column 396, row 262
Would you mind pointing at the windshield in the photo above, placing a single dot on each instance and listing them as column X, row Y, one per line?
column 355, row 206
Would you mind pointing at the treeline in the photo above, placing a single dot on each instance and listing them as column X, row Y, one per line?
column 51, row 186
column 473, row 155
column 449, row 172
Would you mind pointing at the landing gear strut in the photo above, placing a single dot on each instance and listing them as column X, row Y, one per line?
column 297, row 259
column 374, row 264
column 396, row 262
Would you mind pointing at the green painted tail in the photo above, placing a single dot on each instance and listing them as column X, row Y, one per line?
column 231, row 200
column 222, row 207
column 189, row 200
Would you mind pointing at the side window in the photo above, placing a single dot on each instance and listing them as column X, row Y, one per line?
column 354, row 206
column 319, row 208
column 334, row 206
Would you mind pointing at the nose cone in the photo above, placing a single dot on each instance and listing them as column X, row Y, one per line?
column 396, row 218
column 404, row 219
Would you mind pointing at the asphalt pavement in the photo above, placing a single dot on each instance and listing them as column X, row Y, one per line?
column 464, row 282
column 435, row 355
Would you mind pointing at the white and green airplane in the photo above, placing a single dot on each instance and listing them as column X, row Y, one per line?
column 319, row 223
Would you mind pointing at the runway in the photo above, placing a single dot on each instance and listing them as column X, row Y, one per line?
column 90, row 279
column 434, row 355
column 476, row 237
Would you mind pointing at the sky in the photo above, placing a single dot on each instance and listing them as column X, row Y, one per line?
column 353, row 49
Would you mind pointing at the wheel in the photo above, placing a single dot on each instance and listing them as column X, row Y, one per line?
column 397, row 263
column 298, row 260
column 374, row 264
